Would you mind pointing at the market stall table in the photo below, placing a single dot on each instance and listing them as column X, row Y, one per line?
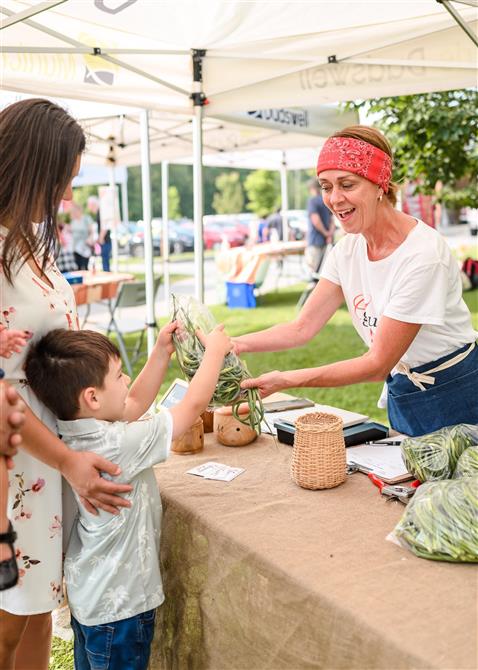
column 261, row 574
column 96, row 287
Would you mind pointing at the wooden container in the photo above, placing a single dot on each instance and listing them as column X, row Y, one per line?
column 318, row 457
column 192, row 441
column 208, row 421
column 231, row 432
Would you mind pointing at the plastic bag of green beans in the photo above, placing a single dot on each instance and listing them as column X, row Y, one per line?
column 192, row 315
column 434, row 456
column 467, row 465
column 440, row 522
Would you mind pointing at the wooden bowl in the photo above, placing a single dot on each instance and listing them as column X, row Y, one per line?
column 231, row 432
column 192, row 441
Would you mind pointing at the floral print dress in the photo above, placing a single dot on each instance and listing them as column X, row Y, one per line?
column 35, row 489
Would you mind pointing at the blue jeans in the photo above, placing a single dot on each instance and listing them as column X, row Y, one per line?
column 452, row 399
column 121, row 645
column 106, row 256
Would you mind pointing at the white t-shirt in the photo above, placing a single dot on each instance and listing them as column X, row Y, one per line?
column 418, row 283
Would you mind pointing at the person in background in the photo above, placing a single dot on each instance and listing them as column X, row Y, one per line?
column 113, row 605
column 402, row 287
column 104, row 234
column 83, row 234
column 262, row 230
column 65, row 260
column 274, row 226
column 40, row 153
column 320, row 229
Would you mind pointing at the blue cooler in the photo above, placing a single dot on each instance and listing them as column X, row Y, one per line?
column 73, row 278
column 240, row 295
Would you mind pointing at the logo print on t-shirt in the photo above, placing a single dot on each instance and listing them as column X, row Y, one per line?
column 360, row 303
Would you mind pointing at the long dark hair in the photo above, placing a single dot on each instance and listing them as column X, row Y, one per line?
column 39, row 145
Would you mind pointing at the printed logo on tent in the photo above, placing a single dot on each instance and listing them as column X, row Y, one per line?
column 98, row 71
column 286, row 117
column 112, row 7
column 349, row 74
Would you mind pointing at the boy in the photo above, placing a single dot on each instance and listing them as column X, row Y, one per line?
column 111, row 565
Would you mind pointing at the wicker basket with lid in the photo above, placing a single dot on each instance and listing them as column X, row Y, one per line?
column 318, row 457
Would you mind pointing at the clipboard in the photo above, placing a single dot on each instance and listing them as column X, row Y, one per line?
column 284, row 405
column 384, row 461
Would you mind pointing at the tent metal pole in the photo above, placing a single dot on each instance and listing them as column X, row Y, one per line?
column 198, row 204
column 199, row 99
column 97, row 51
column 124, row 201
column 452, row 11
column 31, row 11
column 148, row 236
column 114, row 223
column 284, row 194
column 165, row 228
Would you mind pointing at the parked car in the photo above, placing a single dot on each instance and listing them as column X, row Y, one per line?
column 181, row 238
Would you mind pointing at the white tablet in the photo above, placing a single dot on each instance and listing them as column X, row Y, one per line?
column 174, row 394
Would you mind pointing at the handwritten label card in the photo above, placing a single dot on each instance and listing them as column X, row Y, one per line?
column 218, row 471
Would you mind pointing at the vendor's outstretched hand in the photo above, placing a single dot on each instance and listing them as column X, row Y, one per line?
column 268, row 383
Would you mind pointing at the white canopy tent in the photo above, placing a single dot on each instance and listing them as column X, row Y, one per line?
column 213, row 58
column 232, row 142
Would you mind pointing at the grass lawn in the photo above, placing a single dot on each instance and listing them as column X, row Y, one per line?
column 337, row 341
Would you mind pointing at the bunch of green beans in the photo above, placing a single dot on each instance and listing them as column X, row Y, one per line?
column 189, row 354
column 467, row 465
column 439, row 522
column 434, row 456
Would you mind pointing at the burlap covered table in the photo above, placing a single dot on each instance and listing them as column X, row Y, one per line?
column 260, row 574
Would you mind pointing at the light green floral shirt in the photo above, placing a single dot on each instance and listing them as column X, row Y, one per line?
column 112, row 562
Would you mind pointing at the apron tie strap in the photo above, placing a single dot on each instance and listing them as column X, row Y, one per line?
column 421, row 378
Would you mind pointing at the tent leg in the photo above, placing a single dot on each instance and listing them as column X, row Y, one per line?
column 284, row 193
column 165, row 231
column 148, row 236
column 198, row 205
column 115, row 219
column 124, row 201
column 199, row 99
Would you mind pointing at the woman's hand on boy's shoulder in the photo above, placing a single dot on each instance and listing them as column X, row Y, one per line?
column 165, row 338
column 217, row 340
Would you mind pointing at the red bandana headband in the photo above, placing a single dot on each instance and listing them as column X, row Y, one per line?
column 362, row 158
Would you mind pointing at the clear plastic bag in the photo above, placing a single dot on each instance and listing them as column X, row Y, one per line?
column 467, row 465
column 192, row 315
column 434, row 456
column 440, row 522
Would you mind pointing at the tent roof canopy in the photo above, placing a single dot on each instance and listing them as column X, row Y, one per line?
column 257, row 54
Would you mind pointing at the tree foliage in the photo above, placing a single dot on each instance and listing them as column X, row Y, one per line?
column 263, row 190
column 174, row 203
column 229, row 197
column 434, row 136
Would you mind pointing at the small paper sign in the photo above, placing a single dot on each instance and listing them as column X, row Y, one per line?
column 218, row 471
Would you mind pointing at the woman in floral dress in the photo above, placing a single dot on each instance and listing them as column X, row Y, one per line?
column 40, row 151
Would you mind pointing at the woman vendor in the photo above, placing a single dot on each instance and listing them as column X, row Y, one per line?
column 403, row 290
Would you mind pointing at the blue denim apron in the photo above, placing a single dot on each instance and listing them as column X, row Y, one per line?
column 453, row 398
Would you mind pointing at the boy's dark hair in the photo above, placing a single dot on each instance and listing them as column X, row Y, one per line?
column 65, row 362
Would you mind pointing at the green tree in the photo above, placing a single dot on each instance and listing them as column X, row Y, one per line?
column 174, row 203
column 434, row 137
column 228, row 198
column 263, row 190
